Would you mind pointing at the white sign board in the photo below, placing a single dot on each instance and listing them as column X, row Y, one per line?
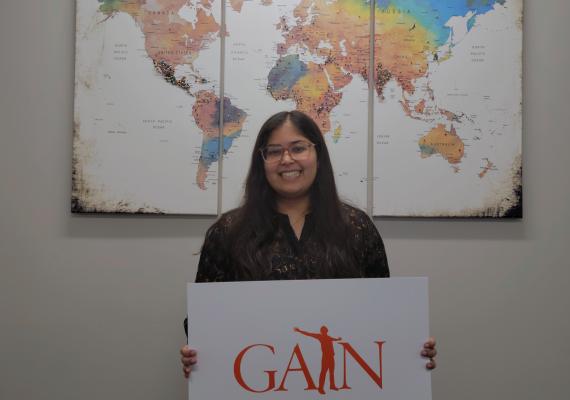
column 317, row 339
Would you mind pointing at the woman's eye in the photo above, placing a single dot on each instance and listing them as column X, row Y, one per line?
column 273, row 152
column 298, row 149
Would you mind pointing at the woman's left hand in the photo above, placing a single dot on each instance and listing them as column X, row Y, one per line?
column 429, row 351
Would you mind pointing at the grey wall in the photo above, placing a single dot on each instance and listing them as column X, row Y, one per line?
column 75, row 290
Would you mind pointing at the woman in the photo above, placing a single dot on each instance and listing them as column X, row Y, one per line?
column 292, row 224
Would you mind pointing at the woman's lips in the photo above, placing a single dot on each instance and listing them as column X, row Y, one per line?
column 290, row 174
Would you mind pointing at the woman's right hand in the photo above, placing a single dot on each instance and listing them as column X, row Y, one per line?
column 188, row 359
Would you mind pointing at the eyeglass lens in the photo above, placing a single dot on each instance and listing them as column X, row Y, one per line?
column 297, row 151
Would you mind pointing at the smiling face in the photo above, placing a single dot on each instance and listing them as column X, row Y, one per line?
column 291, row 179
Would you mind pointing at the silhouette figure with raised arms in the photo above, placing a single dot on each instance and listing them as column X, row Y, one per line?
column 327, row 362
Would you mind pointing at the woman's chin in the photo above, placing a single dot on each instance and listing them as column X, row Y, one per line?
column 293, row 194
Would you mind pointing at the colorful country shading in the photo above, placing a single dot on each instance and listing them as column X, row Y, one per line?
column 443, row 142
column 306, row 84
column 420, row 107
column 409, row 33
column 206, row 113
column 338, row 77
column 343, row 26
column 337, row 134
column 488, row 167
column 168, row 36
column 432, row 15
column 171, row 41
column 284, row 75
column 112, row 7
column 471, row 22
column 238, row 4
column 315, row 97
column 402, row 48
column 381, row 77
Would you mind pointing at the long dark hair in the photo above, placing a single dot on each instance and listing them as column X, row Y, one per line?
column 254, row 228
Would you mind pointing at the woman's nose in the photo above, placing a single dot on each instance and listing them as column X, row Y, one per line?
column 286, row 157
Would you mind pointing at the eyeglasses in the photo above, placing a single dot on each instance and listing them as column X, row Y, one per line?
column 298, row 151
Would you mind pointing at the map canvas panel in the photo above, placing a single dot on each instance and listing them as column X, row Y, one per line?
column 249, row 57
column 147, row 85
column 447, row 108
column 309, row 55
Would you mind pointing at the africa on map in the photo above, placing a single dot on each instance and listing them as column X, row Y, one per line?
column 170, row 95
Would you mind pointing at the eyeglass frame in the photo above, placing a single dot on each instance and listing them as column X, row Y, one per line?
column 284, row 149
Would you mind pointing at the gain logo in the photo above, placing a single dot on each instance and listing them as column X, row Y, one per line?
column 327, row 364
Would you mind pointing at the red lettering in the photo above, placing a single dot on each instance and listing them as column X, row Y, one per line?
column 302, row 367
column 239, row 377
column 376, row 378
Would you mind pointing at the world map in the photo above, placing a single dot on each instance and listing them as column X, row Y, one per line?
column 419, row 101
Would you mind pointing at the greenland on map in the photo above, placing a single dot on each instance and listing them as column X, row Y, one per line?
column 170, row 95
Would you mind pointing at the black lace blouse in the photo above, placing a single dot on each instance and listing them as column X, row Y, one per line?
column 294, row 258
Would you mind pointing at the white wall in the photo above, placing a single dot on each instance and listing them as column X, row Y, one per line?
column 75, row 291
